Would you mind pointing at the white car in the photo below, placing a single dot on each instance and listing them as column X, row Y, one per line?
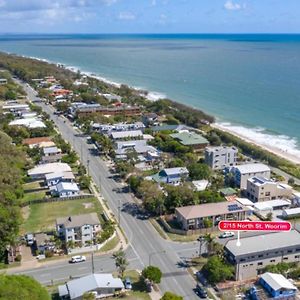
column 226, row 234
column 77, row 259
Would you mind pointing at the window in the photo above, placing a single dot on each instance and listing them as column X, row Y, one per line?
column 272, row 260
column 260, row 264
column 297, row 256
column 285, row 258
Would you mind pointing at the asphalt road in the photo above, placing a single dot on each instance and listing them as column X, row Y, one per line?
column 145, row 243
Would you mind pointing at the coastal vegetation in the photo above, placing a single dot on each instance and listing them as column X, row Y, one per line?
column 21, row 287
column 12, row 164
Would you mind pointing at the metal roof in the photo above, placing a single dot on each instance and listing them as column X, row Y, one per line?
column 277, row 281
column 271, row 203
column 49, row 168
column 210, row 209
column 78, row 220
column 67, row 186
column 126, row 134
column 175, row 171
column 265, row 242
column 78, row 287
column 252, row 168
column 189, row 138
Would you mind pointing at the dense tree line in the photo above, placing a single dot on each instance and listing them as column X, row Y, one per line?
column 12, row 163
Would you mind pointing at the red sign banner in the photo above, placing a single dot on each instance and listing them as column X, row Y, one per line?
column 254, row 226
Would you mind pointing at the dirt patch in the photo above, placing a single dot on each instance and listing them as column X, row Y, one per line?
column 88, row 205
column 25, row 212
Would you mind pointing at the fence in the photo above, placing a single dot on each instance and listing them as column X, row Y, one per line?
column 170, row 229
column 56, row 199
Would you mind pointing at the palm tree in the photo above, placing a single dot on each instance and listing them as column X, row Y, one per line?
column 121, row 262
column 209, row 239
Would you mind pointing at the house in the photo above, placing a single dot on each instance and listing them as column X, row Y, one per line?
column 112, row 97
column 196, row 216
column 291, row 213
column 200, row 185
column 40, row 171
column 43, row 243
column 256, row 252
column 107, row 128
column 277, row 286
column 88, row 109
column 242, row 173
column 262, row 189
column 131, row 134
column 225, row 192
column 150, row 119
column 65, row 189
column 3, row 81
column 35, row 142
column 51, row 155
column 79, row 228
column 101, row 285
column 139, row 147
column 221, row 157
column 54, row 178
column 274, row 207
column 191, row 139
column 167, row 127
column 15, row 108
column 30, row 123
column 171, row 175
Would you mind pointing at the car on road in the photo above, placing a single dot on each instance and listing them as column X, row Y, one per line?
column 201, row 292
column 41, row 256
column 127, row 284
column 77, row 259
column 226, row 234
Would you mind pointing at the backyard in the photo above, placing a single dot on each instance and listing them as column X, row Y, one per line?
column 41, row 217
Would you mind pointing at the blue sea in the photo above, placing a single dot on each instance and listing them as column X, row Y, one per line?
column 250, row 83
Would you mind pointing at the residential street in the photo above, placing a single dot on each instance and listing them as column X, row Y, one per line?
column 145, row 242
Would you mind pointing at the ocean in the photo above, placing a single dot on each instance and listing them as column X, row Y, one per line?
column 250, row 83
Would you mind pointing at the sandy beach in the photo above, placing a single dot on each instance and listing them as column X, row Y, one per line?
column 288, row 156
column 284, row 154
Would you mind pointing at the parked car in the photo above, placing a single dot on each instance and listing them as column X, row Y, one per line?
column 201, row 278
column 29, row 239
column 148, row 285
column 201, row 292
column 77, row 259
column 226, row 234
column 41, row 256
column 127, row 284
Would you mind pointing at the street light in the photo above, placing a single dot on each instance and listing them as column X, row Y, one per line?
column 201, row 240
column 153, row 253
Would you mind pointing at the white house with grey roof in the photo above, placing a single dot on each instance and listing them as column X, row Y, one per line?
column 65, row 189
column 171, row 175
column 101, row 285
column 57, row 177
column 242, row 173
column 78, row 229
column 257, row 252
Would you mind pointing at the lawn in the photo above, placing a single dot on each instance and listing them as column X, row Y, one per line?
column 41, row 217
column 33, row 191
column 110, row 245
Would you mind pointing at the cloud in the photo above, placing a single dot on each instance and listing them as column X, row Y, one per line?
column 153, row 2
column 230, row 5
column 162, row 19
column 109, row 2
column 126, row 15
column 2, row 3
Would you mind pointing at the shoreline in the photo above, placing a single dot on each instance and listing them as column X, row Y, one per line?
column 283, row 154
column 155, row 96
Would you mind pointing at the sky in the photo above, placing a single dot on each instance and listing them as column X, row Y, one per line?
column 149, row 16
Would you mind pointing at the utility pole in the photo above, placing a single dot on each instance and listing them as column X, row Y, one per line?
column 200, row 239
column 93, row 266
column 119, row 212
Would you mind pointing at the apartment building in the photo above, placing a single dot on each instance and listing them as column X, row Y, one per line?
column 257, row 252
column 79, row 229
column 263, row 189
column 221, row 157
column 242, row 173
